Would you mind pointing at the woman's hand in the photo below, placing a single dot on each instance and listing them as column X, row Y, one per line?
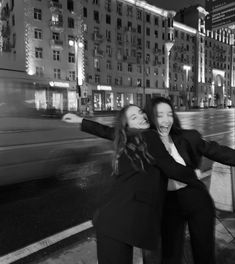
column 72, row 118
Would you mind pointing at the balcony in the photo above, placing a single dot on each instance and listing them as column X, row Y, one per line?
column 157, row 51
column 53, row 5
column 97, row 37
column 5, row 13
column 56, row 26
column 130, row 59
column 6, row 47
column 98, row 53
column 56, row 44
column 6, row 31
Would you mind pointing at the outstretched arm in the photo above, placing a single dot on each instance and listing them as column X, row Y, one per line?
column 214, row 151
column 98, row 129
column 166, row 163
column 91, row 127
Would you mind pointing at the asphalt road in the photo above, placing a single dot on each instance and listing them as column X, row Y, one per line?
column 37, row 209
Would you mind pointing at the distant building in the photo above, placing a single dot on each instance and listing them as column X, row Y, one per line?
column 100, row 55
column 221, row 14
column 215, row 58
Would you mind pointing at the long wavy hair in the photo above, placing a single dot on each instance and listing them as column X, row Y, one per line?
column 151, row 111
column 129, row 141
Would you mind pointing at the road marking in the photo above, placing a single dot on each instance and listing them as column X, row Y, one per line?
column 33, row 248
column 219, row 134
column 44, row 243
column 30, row 145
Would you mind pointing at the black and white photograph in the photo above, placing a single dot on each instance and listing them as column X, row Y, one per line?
column 117, row 131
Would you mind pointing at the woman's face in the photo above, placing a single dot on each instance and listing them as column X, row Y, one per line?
column 163, row 119
column 136, row 118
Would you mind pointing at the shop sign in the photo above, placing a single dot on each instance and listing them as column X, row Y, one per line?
column 104, row 87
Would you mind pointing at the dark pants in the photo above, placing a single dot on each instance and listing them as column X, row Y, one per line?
column 195, row 207
column 111, row 251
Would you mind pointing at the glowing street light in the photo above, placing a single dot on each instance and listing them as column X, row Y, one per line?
column 187, row 68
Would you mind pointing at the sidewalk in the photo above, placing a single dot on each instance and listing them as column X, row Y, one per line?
column 85, row 252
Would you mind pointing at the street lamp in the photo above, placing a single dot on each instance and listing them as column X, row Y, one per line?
column 187, row 68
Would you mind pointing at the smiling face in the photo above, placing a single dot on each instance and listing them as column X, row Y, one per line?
column 136, row 118
column 163, row 119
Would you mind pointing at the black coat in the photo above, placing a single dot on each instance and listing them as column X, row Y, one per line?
column 192, row 147
column 134, row 212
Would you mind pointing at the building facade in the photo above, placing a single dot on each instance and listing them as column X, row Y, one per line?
column 221, row 14
column 94, row 55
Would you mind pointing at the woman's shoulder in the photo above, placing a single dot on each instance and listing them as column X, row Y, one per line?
column 190, row 133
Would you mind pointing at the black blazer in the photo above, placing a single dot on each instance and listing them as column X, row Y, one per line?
column 192, row 147
column 134, row 212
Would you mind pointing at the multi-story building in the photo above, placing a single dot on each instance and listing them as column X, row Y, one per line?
column 221, row 14
column 215, row 64
column 102, row 55
column 37, row 38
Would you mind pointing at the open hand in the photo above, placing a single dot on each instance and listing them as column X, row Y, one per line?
column 72, row 118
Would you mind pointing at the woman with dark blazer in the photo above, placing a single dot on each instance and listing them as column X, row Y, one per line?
column 183, row 203
column 133, row 215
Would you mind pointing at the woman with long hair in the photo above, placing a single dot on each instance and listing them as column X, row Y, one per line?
column 133, row 214
column 184, row 204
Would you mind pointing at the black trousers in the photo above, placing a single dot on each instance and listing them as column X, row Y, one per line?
column 195, row 207
column 111, row 251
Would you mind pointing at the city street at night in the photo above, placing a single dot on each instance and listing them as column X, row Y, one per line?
column 35, row 210
column 73, row 197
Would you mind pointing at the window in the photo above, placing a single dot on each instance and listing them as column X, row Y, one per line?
column 129, row 67
column 13, row 20
column 37, row 14
column 156, row 33
column 119, row 23
column 109, row 79
column 148, row 44
column 148, row 18
column 57, row 73
column 119, row 66
column 139, row 14
column 156, row 21
column 38, row 53
column 97, row 78
column 37, row 33
column 71, row 57
column 148, row 31
column 70, row 22
column 139, row 68
column 70, row 6
column 109, row 50
column 39, row 71
column 129, row 11
column 56, row 55
column 108, row 19
column 72, row 75
column 55, row 36
column 148, row 83
column 119, row 37
column 119, row 8
column 108, row 35
column 96, row 16
column 84, row 12
column 108, row 5
column 139, row 29
column 96, row 64
column 108, row 65
column 139, row 82
column 129, row 80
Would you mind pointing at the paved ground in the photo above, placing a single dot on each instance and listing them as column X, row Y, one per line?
column 85, row 252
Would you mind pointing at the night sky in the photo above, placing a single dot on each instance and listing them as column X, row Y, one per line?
column 175, row 4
